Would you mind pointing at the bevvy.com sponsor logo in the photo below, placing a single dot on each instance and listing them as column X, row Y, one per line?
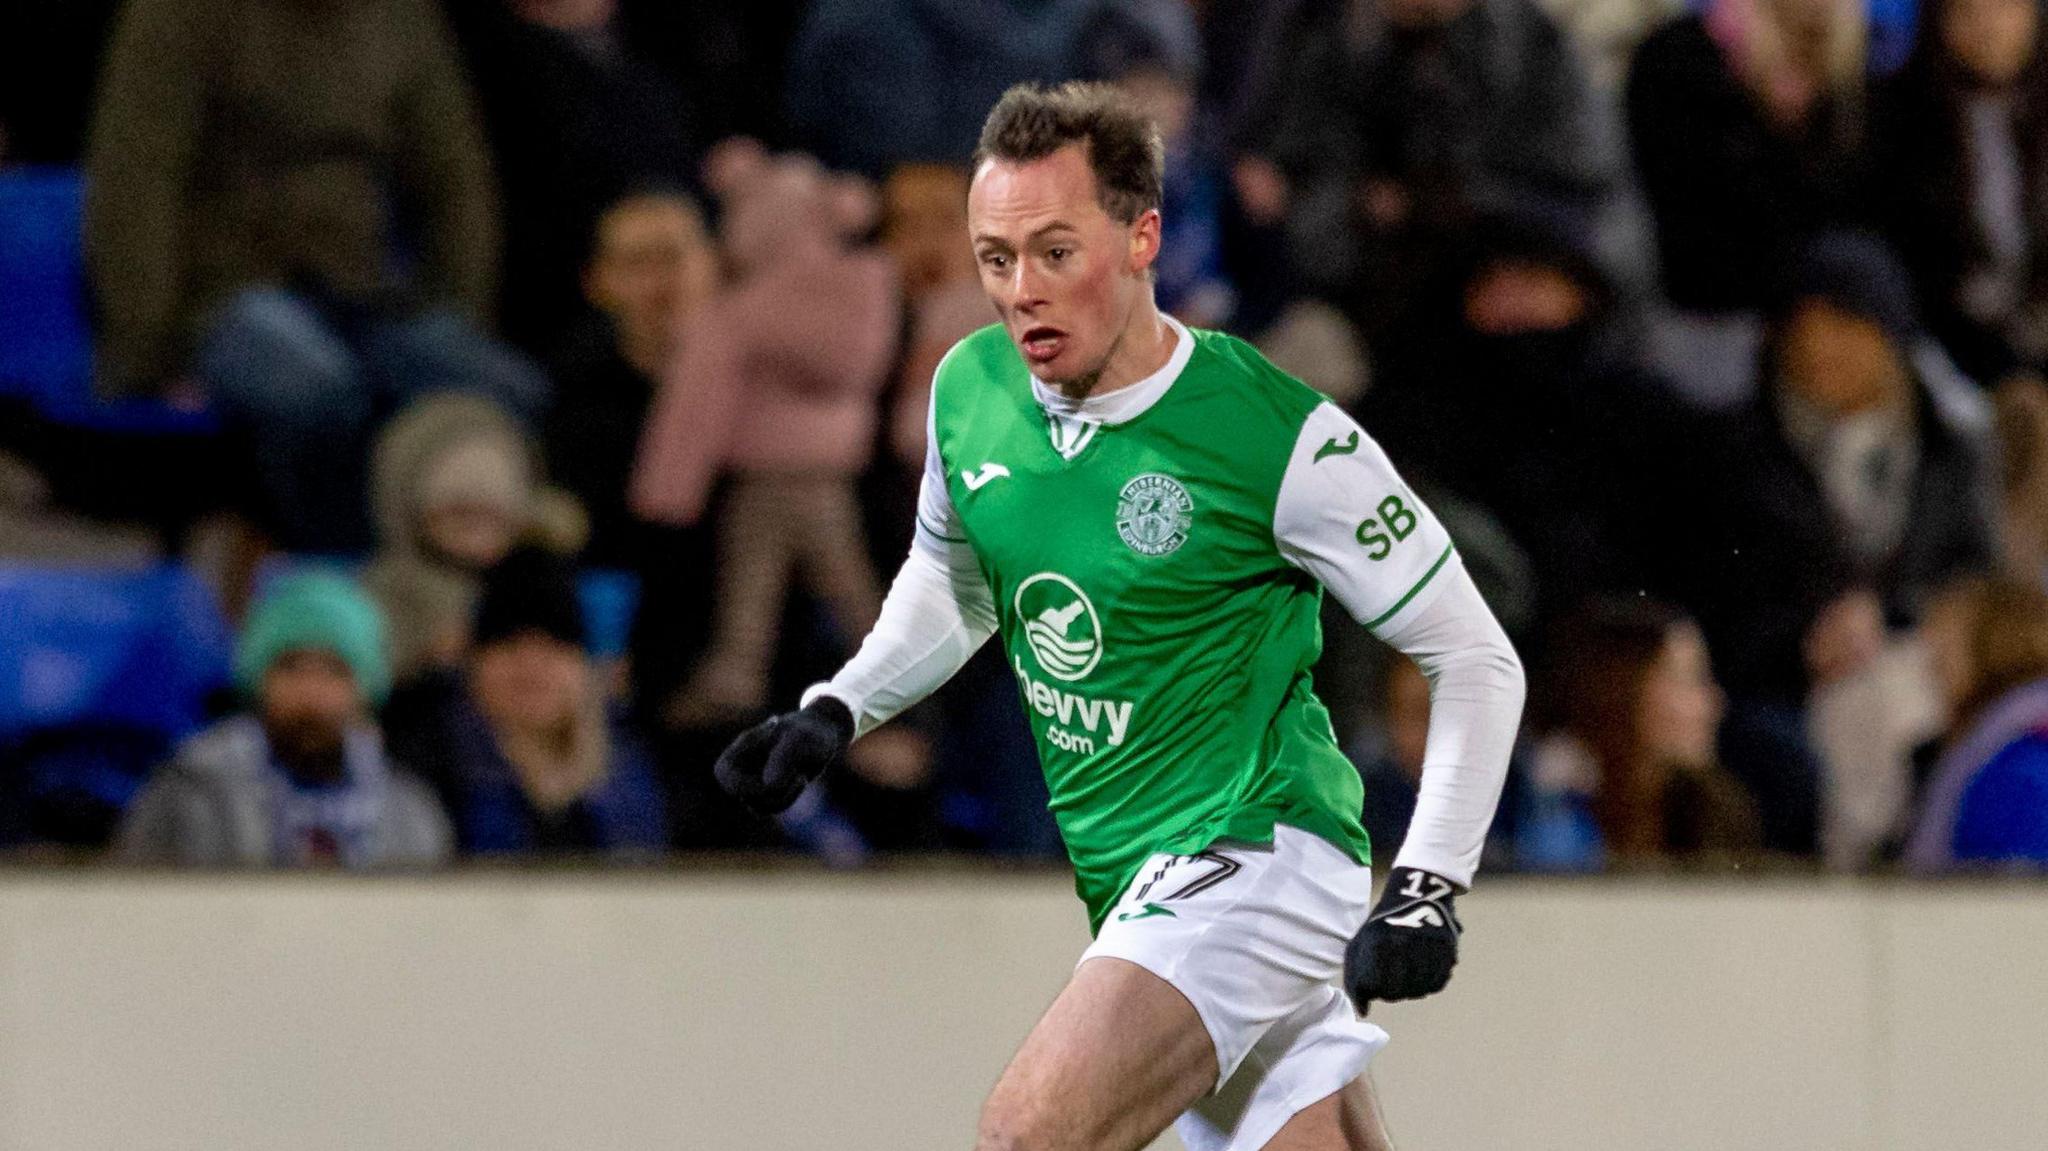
column 1064, row 634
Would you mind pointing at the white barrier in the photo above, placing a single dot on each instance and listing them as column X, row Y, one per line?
column 785, row 1012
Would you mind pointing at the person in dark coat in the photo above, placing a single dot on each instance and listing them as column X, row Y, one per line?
column 1401, row 121
column 1962, row 170
column 1806, row 528
column 1520, row 393
column 521, row 742
column 289, row 214
column 653, row 266
column 877, row 83
column 1746, row 123
column 579, row 113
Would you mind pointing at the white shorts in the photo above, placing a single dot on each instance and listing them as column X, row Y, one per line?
column 1254, row 936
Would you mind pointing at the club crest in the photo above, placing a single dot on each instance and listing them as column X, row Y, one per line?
column 1153, row 513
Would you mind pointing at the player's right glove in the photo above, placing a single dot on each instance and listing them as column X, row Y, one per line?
column 1409, row 943
column 771, row 763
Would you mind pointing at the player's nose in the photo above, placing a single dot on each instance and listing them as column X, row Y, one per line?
column 1026, row 292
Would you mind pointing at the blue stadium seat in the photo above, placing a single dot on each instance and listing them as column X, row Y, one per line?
column 139, row 650
column 1892, row 27
column 45, row 347
column 611, row 600
column 45, row 337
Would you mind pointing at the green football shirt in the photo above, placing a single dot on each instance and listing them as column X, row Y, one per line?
column 1155, row 560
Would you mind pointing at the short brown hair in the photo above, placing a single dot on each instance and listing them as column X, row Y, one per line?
column 1032, row 122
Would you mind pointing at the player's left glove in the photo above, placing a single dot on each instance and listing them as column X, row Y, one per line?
column 1409, row 943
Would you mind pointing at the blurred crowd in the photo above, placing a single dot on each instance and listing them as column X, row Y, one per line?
column 512, row 399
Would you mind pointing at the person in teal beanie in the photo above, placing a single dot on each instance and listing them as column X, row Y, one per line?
column 320, row 610
column 302, row 777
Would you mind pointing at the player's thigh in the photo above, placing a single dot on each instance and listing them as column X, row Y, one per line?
column 1349, row 1120
column 1117, row 1057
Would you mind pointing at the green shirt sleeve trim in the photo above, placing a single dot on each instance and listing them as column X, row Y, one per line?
column 1427, row 576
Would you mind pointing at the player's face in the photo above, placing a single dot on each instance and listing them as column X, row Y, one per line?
column 1063, row 273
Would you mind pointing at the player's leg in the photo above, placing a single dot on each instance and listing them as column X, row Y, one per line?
column 1117, row 1057
column 1349, row 1120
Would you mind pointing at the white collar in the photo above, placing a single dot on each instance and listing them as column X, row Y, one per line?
column 1125, row 403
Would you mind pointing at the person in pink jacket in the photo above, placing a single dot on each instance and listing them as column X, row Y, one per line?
column 776, row 385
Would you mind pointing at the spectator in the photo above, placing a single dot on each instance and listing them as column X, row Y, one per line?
column 653, row 268
column 1627, row 773
column 455, row 483
column 1403, row 120
column 776, row 382
column 1805, row 527
column 1987, row 799
column 303, row 779
column 877, row 83
column 521, row 742
column 1249, row 47
column 578, row 115
column 1747, row 126
column 1524, row 397
column 289, row 202
column 730, row 58
column 924, row 227
column 1963, row 136
column 1189, row 271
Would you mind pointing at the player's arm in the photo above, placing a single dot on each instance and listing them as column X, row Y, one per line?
column 1345, row 517
column 938, row 612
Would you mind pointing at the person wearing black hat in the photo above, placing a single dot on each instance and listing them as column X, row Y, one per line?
column 1807, row 529
column 1518, row 392
column 1960, row 139
column 521, row 742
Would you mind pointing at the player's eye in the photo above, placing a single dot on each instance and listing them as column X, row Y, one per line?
column 1058, row 254
column 995, row 260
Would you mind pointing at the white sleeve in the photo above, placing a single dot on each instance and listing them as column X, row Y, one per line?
column 1345, row 517
column 1476, row 689
column 938, row 612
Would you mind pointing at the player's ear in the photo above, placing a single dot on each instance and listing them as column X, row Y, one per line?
column 1144, row 236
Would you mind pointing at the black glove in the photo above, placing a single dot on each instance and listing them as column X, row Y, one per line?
column 1409, row 943
column 771, row 763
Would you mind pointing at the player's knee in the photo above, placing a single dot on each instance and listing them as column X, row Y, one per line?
column 1008, row 1125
